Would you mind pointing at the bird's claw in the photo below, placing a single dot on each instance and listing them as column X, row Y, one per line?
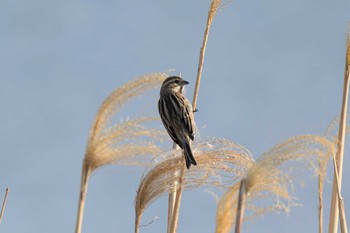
column 195, row 110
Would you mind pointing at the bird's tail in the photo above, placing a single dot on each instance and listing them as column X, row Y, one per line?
column 188, row 155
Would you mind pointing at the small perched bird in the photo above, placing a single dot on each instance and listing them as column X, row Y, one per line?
column 177, row 115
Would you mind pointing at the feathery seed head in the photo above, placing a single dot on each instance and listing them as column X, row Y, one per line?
column 126, row 141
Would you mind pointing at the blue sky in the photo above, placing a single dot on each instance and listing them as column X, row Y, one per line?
column 273, row 69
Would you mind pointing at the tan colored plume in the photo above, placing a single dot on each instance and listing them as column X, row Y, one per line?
column 271, row 178
column 220, row 163
column 110, row 143
column 122, row 143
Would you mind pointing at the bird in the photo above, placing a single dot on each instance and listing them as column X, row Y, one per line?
column 177, row 115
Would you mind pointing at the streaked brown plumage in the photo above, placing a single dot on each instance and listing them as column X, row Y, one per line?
column 177, row 115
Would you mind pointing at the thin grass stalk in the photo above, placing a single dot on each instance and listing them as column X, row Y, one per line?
column 4, row 204
column 85, row 175
column 172, row 198
column 177, row 201
column 334, row 212
column 320, row 206
column 343, row 225
column 178, row 194
column 322, row 169
column 137, row 224
column 240, row 206
column 171, row 203
column 212, row 11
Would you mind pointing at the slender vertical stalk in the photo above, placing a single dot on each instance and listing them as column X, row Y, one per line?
column 137, row 224
column 211, row 13
column 334, row 212
column 320, row 206
column 174, row 214
column 4, row 204
column 176, row 209
column 172, row 198
column 240, row 206
column 200, row 67
column 171, row 203
column 85, row 174
column 343, row 225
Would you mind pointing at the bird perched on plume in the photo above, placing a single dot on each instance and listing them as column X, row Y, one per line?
column 177, row 115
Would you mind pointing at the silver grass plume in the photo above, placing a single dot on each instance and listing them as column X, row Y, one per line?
column 271, row 178
column 220, row 163
column 121, row 143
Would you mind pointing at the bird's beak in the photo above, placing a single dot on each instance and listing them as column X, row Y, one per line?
column 184, row 82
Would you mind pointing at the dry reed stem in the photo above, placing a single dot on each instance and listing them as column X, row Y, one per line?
column 321, row 178
column 122, row 143
column 4, row 204
column 215, row 4
column 334, row 211
column 177, row 201
column 85, row 175
column 320, row 203
column 174, row 211
column 240, row 206
column 220, row 163
column 171, row 205
column 331, row 133
column 271, row 177
column 343, row 224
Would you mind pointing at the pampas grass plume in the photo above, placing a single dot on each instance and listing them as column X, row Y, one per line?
column 271, row 177
column 121, row 143
column 217, row 158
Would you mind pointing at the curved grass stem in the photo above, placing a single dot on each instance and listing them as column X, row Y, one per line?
column 4, row 204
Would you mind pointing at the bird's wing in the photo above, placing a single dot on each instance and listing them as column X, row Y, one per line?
column 187, row 117
column 166, row 112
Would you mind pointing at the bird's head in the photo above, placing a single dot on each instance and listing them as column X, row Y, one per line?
column 174, row 83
